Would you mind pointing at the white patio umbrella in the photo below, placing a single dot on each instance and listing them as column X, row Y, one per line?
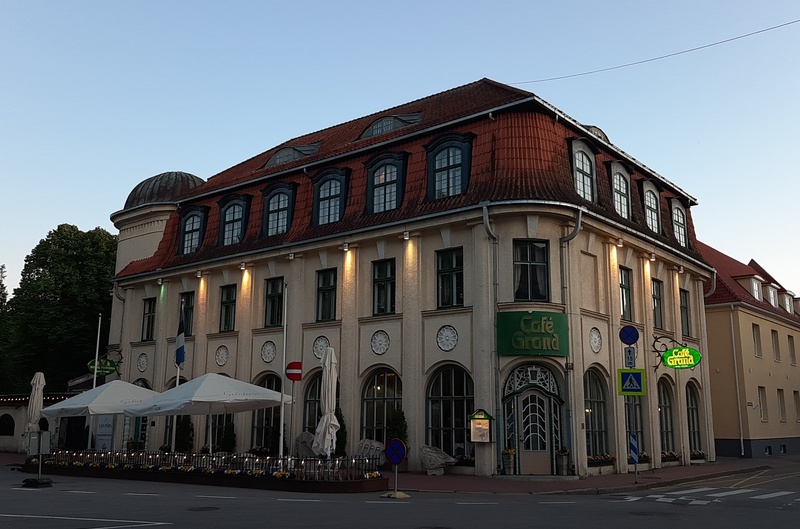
column 34, row 407
column 209, row 394
column 110, row 398
column 325, row 437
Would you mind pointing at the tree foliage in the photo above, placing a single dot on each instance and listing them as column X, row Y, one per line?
column 52, row 318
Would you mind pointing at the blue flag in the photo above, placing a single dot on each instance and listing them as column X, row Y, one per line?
column 180, row 350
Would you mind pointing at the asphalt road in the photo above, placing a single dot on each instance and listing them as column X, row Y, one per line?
column 747, row 500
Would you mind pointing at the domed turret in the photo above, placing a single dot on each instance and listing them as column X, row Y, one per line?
column 162, row 189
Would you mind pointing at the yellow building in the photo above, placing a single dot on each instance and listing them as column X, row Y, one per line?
column 476, row 249
column 755, row 379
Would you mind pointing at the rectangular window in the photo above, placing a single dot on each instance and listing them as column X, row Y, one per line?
column 757, row 340
column 792, row 354
column 781, row 406
column 658, row 304
column 626, row 294
column 383, row 286
column 326, row 295
column 187, row 303
column 531, row 274
column 762, row 404
column 450, row 278
column 686, row 321
column 776, row 346
column 796, row 395
column 148, row 319
column 227, row 309
column 273, row 308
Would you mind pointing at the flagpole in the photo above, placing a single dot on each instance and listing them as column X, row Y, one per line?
column 94, row 378
column 283, row 368
column 180, row 355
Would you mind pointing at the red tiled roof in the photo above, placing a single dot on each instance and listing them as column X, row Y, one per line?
column 519, row 154
column 728, row 289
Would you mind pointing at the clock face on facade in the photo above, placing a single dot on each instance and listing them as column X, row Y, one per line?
column 319, row 346
column 141, row 362
column 595, row 339
column 268, row 351
column 221, row 356
column 447, row 338
column 379, row 342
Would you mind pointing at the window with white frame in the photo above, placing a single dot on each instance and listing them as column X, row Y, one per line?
column 776, row 346
column 781, row 406
column 651, row 211
column 584, row 175
column 449, row 165
column 755, row 288
column 757, row 340
column 277, row 213
column 330, row 196
column 622, row 195
column 762, row 404
column 679, row 224
column 191, row 233
column 773, row 296
column 233, row 211
column 594, row 404
column 626, row 292
column 385, row 182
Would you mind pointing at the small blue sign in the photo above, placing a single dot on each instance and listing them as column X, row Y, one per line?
column 395, row 451
column 629, row 335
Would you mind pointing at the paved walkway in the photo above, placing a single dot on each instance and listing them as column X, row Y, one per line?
column 419, row 481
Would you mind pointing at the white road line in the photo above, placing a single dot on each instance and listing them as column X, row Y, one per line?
column 730, row 493
column 694, row 491
column 666, row 500
column 142, row 494
column 80, row 491
column 128, row 523
column 699, row 502
column 772, row 495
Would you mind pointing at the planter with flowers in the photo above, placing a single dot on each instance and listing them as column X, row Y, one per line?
column 562, row 461
column 510, row 461
column 697, row 456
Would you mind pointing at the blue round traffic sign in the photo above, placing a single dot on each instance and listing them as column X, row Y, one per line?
column 395, row 451
column 629, row 335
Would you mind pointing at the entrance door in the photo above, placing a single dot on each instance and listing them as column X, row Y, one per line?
column 534, row 446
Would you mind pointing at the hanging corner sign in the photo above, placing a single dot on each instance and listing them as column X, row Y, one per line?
column 294, row 371
column 629, row 335
column 395, row 451
column 681, row 357
column 105, row 366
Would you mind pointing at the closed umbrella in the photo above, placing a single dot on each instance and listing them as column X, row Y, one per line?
column 35, row 406
column 325, row 437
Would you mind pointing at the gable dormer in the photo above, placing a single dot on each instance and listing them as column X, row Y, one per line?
column 788, row 304
column 753, row 284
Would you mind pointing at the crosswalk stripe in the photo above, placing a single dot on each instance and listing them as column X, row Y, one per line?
column 731, row 492
column 773, row 495
column 693, row 491
column 699, row 502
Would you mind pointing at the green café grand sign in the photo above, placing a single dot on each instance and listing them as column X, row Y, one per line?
column 532, row 333
column 681, row 357
column 105, row 366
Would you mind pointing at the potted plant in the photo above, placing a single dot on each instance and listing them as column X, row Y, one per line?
column 562, row 461
column 509, row 460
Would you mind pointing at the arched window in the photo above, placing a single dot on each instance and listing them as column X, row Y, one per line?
column 679, row 223
column 594, row 397
column 382, row 393
column 277, row 214
column 330, row 196
column 451, row 400
column 665, row 416
column 693, row 417
column 449, row 163
column 311, row 403
column 387, row 174
column 584, row 176
column 232, row 224
column 651, row 211
column 191, row 233
column 266, row 421
column 633, row 422
column 622, row 196
column 6, row 424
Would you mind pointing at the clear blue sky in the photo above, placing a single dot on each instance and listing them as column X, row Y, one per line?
column 96, row 96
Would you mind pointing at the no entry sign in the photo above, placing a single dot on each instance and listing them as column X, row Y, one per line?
column 294, row 371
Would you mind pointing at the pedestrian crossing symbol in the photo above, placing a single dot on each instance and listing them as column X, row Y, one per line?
column 631, row 382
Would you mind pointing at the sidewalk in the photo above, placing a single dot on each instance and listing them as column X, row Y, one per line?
column 421, row 482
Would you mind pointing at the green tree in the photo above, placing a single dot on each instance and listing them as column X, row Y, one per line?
column 52, row 317
column 7, row 360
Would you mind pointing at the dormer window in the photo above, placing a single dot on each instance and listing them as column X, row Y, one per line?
column 386, row 181
column 583, row 170
column 390, row 123
column 233, row 219
column 278, row 207
column 621, row 186
column 773, row 296
column 787, row 303
column 330, row 196
column 289, row 154
column 679, row 225
column 193, row 223
column 755, row 288
column 449, row 165
column 652, row 209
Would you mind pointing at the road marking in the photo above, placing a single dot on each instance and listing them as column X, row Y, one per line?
column 555, row 502
column 297, row 499
column 666, row 500
column 772, row 495
column 627, row 498
column 694, row 491
column 80, row 491
column 699, row 502
column 142, row 494
column 217, row 497
column 128, row 523
column 731, row 493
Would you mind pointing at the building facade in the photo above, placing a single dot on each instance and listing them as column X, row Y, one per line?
column 477, row 249
column 755, row 379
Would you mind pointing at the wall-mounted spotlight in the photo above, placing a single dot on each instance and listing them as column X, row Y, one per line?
column 291, row 256
column 159, row 281
column 199, row 273
column 406, row 236
column 242, row 265
column 620, row 244
column 680, row 269
column 653, row 256
column 345, row 247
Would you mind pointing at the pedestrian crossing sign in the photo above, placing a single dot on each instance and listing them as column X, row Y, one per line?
column 631, row 382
